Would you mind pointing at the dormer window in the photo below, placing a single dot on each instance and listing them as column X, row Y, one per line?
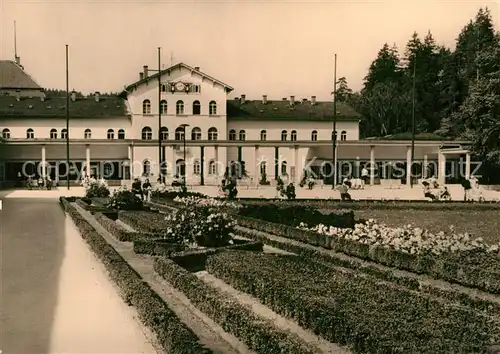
column 30, row 134
column 53, row 133
column 146, row 107
column 111, row 134
column 232, row 134
column 6, row 133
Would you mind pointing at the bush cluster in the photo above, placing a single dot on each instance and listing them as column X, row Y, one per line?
column 259, row 334
column 363, row 313
column 293, row 215
column 123, row 199
column 172, row 334
column 97, row 189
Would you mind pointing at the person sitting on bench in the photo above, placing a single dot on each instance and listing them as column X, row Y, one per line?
column 344, row 192
column 136, row 188
column 427, row 191
column 445, row 194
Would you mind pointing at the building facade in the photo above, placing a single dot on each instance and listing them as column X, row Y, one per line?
column 181, row 121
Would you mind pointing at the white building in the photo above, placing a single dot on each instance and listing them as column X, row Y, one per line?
column 118, row 136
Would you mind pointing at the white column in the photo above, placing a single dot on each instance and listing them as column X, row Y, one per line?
column 467, row 165
column 424, row 167
column 44, row 167
column 297, row 164
column 130, row 162
column 256, row 163
column 372, row 165
column 173, row 168
column 218, row 173
column 441, row 168
column 87, row 159
column 408, row 166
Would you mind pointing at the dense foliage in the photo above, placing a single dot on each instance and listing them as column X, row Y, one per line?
column 123, row 199
column 96, row 189
column 457, row 92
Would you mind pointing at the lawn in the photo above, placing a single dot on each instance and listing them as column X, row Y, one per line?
column 480, row 223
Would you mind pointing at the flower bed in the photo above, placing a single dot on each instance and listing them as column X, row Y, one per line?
column 360, row 312
column 119, row 232
column 173, row 335
column 144, row 221
column 292, row 215
column 382, row 273
column 379, row 204
column 480, row 270
column 259, row 334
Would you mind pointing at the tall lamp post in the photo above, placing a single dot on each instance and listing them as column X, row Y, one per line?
column 67, row 120
column 184, row 153
column 413, row 119
column 334, row 132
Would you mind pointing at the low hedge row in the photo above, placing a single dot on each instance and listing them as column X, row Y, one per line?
column 293, row 215
column 144, row 221
column 453, row 295
column 379, row 204
column 115, row 229
column 481, row 272
column 368, row 316
column 156, row 247
column 173, row 335
column 259, row 334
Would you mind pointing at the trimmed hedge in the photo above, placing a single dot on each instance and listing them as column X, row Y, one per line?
column 156, row 247
column 378, row 204
column 293, row 215
column 257, row 333
column 116, row 230
column 481, row 271
column 360, row 312
column 173, row 335
column 453, row 295
column 144, row 221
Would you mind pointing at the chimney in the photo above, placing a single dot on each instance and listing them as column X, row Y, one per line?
column 96, row 96
column 145, row 71
column 197, row 68
column 141, row 76
column 292, row 100
column 284, row 99
column 313, row 100
column 242, row 100
column 73, row 96
column 18, row 60
column 264, row 99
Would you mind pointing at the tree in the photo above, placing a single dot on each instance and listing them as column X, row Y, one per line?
column 385, row 68
column 344, row 93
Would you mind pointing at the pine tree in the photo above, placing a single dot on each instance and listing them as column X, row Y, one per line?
column 344, row 93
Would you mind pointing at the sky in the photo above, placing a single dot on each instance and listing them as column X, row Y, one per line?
column 277, row 48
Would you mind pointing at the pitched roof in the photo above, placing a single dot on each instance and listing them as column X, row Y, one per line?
column 155, row 76
column 55, row 107
column 12, row 76
column 283, row 110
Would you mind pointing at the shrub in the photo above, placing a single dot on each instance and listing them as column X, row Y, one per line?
column 171, row 195
column 123, row 199
column 96, row 189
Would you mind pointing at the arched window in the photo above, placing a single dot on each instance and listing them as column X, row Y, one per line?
column 111, row 134
column 263, row 135
column 334, row 135
column 6, row 133
column 314, row 135
column 196, row 167
column 147, row 133
column 212, row 108
column 163, row 107
column 212, row 168
column 164, row 133
column 283, row 135
column 212, row 134
column 232, row 134
column 179, row 133
column 30, row 134
column 146, row 107
column 64, row 134
column 53, row 133
column 283, row 168
column 196, row 133
column 196, row 108
column 293, row 135
column 146, row 168
column 179, row 107
column 87, row 134
column 263, row 167
column 242, row 135
column 343, row 135
column 180, row 168
column 121, row 134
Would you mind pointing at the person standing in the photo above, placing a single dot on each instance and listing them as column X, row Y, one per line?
column 467, row 188
column 146, row 190
column 364, row 176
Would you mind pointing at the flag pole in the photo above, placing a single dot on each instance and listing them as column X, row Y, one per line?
column 334, row 135
column 67, row 120
column 160, row 157
column 413, row 120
